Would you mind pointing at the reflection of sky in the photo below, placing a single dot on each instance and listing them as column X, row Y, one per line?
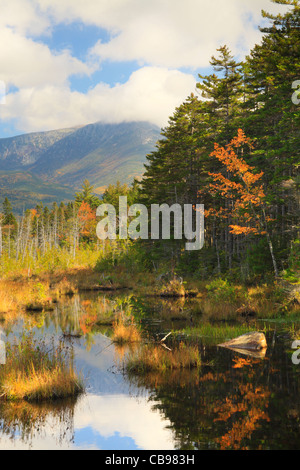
column 113, row 415
column 112, row 422
column 118, row 421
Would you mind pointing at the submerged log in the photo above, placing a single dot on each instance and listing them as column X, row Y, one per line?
column 253, row 341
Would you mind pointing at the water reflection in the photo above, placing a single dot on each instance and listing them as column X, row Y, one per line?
column 234, row 401
column 26, row 425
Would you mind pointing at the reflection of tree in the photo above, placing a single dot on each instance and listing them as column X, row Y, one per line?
column 243, row 410
column 238, row 403
column 37, row 421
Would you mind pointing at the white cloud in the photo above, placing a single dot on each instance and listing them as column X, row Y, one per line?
column 169, row 33
column 26, row 63
column 151, row 94
column 23, row 17
column 161, row 35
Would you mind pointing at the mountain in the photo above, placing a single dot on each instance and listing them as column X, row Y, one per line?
column 48, row 166
column 23, row 150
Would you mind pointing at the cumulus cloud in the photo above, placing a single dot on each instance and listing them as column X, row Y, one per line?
column 26, row 63
column 168, row 33
column 23, row 17
column 164, row 37
column 151, row 94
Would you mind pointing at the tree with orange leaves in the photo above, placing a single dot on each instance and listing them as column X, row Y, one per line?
column 244, row 189
column 87, row 220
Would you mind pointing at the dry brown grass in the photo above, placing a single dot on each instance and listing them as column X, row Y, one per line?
column 125, row 332
column 17, row 295
column 40, row 385
column 35, row 372
column 173, row 288
column 157, row 358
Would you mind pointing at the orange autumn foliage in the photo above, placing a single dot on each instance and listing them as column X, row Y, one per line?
column 242, row 187
column 87, row 219
column 241, row 362
column 86, row 323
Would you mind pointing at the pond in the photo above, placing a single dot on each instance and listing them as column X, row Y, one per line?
column 233, row 401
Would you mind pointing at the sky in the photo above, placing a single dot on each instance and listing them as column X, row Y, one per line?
column 73, row 62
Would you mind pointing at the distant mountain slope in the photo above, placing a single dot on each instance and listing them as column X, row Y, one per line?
column 48, row 166
column 99, row 152
column 24, row 150
column 25, row 190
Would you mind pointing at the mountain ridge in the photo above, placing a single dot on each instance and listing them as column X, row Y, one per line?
column 62, row 159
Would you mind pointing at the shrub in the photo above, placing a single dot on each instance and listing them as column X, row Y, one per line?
column 222, row 290
column 173, row 288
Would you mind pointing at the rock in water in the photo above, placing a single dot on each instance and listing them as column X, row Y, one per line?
column 253, row 341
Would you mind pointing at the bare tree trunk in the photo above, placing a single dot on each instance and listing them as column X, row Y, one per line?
column 272, row 254
column 270, row 244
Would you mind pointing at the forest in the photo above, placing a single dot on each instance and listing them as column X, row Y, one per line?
column 232, row 145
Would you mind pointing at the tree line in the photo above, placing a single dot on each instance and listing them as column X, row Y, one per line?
column 232, row 145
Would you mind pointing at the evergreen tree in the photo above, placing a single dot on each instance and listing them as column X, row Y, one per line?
column 223, row 93
column 273, row 120
column 174, row 170
column 9, row 218
column 86, row 195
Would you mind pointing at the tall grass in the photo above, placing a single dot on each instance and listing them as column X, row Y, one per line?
column 51, row 260
column 173, row 288
column 156, row 358
column 16, row 296
column 124, row 332
column 217, row 332
column 36, row 371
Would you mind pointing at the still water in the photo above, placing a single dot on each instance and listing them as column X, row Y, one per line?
column 233, row 401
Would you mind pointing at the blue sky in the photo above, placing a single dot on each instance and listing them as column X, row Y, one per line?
column 78, row 38
column 72, row 62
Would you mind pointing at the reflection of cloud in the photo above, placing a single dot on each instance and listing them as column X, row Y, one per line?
column 127, row 416
column 99, row 420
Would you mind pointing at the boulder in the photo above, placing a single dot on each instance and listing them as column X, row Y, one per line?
column 253, row 341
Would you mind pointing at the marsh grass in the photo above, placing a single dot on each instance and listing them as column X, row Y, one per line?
column 212, row 332
column 36, row 371
column 24, row 295
column 151, row 358
column 53, row 261
column 173, row 288
column 223, row 300
column 125, row 331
